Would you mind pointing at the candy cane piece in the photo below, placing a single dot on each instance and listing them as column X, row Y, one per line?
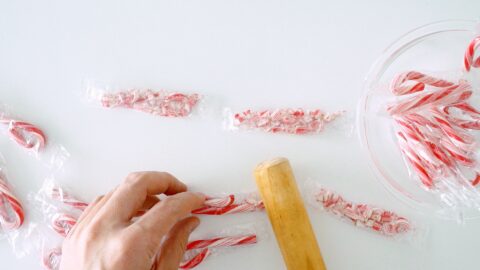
column 377, row 219
column 8, row 202
column 400, row 84
column 63, row 223
column 292, row 121
column 57, row 193
column 51, row 259
column 468, row 59
column 25, row 134
column 196, row 260
column 231, row 209
column 161, row 103
column 223, row 242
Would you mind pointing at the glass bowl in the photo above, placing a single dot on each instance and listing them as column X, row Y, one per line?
column 436, row 48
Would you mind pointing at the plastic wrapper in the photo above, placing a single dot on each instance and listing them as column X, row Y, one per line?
column 295, row 121
column 231, row 204
column 199, row 248
column 159, row 102
column 366, row 216
column 11, row 210
column 25, row 134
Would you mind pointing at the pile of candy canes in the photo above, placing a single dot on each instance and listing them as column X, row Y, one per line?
column 433, row 125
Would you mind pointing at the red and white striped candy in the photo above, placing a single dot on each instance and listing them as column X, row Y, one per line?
column 231, row 209
column 63, row 223
column 25, row 134
column 195, row 260
column 57, row 193
column 223, row 242
column 377, row 219
column 51, row 259
column 402, row 84
column 292, row 121
column 11, row 211
column 469, row 59
column 206, row 245
column 161, row 103
column 445, row 97
column 220, row 202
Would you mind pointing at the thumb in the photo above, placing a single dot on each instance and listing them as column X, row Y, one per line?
column 173, row 248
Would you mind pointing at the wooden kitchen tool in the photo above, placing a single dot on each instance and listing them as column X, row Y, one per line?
column 288, row 216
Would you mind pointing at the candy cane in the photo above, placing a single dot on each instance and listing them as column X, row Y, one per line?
column 292, row 121
column 377, row 219
column 447, row 96
column 161, row 103
column 220, row 202
column 468, row 59
column 51, row 259
column 8, row 202
column 400, row 84
column 206, row 244
column 223, row 242
column 63, row 223
column 231, row 209
column 196, row 260
column 415, row 161
column 25, row 134
column 60, row 195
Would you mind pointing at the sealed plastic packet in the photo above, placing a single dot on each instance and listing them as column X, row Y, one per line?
column 231, row 204
column 157, row 102
column 201, row 248
column 11, row 210
column 297, row 121
column 367, row 216
column 25, row 134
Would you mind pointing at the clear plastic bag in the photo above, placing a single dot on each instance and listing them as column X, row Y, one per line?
column 25, row 134
column 199, row 249
column 12, row 214
column 367, row 216
column 156, row 102
column 282, row 120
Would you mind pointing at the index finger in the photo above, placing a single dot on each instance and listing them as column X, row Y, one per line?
column 131, row 195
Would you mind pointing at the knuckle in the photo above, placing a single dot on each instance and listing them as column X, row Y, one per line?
column 134, row 177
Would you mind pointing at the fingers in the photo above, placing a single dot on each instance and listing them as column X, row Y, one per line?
column 173, row 248
column 132, row 194
column 158, row 221
column 147, row 205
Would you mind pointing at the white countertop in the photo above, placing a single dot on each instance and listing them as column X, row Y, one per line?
column 238, row 54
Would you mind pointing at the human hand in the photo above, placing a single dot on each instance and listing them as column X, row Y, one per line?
column 106, row 237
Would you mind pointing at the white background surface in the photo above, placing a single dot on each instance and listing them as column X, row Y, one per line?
column 240, row 54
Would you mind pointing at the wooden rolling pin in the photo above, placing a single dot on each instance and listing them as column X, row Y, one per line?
column 288, row 216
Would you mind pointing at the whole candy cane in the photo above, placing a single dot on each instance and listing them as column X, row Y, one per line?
column 57, row 193
column 25, row 134
column 161, row 103
column 377, row 219
column 223, row 242
column 292, row 121
column 248, row 205
column 206, row 244
column 446, row 97
column 220, row 202
column 469, row 61
column 9, row 204
column 400, row 85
